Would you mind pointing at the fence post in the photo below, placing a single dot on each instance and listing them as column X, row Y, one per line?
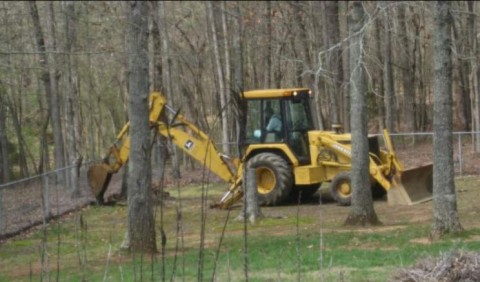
column 476, row 142
column 2, row 231
column 46, row 198
column 460, row 161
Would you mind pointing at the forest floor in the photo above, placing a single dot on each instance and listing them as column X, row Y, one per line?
column 290, row 234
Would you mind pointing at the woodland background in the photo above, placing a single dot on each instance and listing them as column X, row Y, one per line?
column 63, row 69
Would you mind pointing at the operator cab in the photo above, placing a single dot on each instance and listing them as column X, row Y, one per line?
column 280, row 116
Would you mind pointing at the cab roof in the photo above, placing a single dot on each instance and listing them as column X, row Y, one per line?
column 272, row 93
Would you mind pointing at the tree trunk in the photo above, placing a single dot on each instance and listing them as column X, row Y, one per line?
column 4, row 164
column 362, row 211
column 12, row 100
column 346, row 71
column 72, row 102
column 298, row 69
column 445, row 215
column 475, row 90
column 379, row 77
column 299, row 13
column 421, row 111
column 156, row 58
column 251, row 209
column 388, row 75
column 228, row 74
column 240, row 107
column 141, row 224
column 278, row 73
column 408, row 72
column 461, row 67
column 167, row 79
column 56, row 118
column 91, row 98
column 16, row 115
column 268, row 49
column 161, row 142
column 220, row 77
column 124, row 185
column 332, row 37
column 49, row 79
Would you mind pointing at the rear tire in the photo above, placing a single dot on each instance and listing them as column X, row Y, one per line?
column 274, row 178
column 341, row 188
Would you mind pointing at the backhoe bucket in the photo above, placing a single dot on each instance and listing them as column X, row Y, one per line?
column 414, row 186
column 99, row 176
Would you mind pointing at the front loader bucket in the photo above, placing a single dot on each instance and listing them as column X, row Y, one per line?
column 99, row 176
column 414, row 186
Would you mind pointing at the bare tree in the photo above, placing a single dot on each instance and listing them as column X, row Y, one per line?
column 228, row 73
column 408, row 70
column 475, row 87
column 72, row 127
column 220, row 79
column 445, row 215
column 378, row 77
column 239, row 104
column 279, row 42
column 388, row 73
column 49, row 79
column 362, row 211
column 300, row 15
column 156, row 70
column 461, row 82
column 345, row 101
column 423, row 66
column 167, row 78
column 141, row 224
column 4, row 164
column 332, row 37
column 269, row 43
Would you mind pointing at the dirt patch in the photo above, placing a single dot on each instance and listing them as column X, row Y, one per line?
column 421, row 241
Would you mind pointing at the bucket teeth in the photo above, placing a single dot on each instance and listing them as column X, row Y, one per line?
column 414, row 186
column 99, row 176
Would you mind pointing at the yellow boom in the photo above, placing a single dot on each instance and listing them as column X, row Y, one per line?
column 181, row 132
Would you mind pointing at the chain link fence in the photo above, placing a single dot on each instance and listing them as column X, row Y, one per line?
column 416, row 149
column 36, row 200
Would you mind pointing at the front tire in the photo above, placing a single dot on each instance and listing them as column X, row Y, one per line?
column 341, row 188
column 274, row 178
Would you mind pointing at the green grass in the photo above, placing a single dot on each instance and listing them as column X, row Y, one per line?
column 280, row 248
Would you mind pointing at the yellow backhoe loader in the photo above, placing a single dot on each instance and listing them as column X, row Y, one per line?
column 289, row 154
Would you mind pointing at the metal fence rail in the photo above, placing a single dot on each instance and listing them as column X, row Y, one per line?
column 36, row 200
column 417, row 148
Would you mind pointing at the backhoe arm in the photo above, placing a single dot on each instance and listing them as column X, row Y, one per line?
column 181, row 132
column 198, row 145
